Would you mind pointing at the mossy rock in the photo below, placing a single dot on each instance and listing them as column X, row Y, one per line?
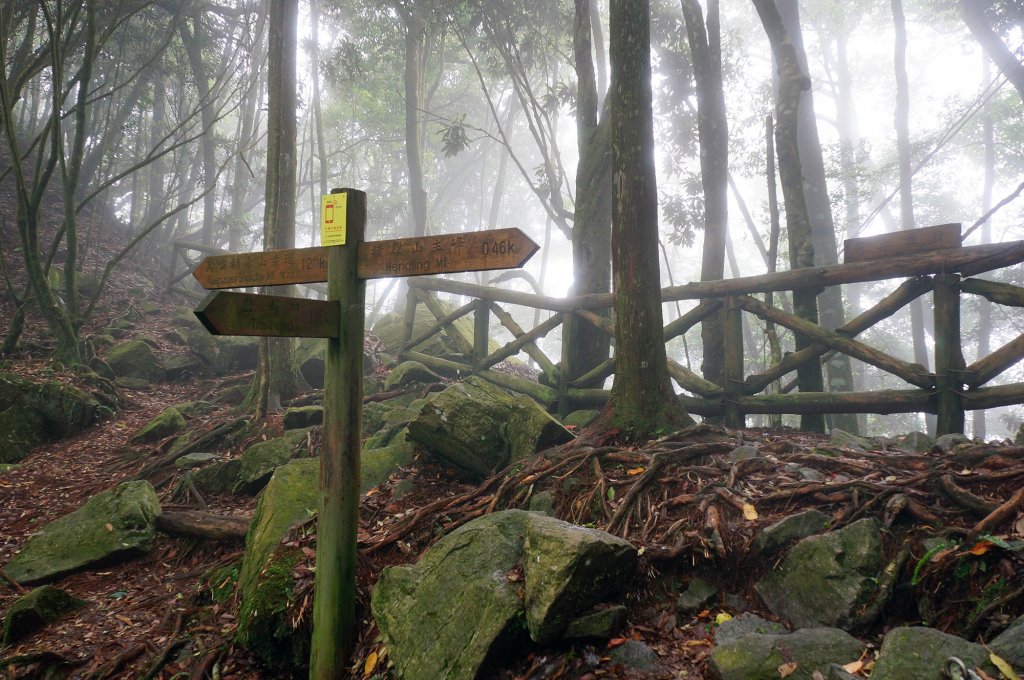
column 259, row 461
column 218, row 477
column 21, row 430
column 391, row 327
column 135, row 359
column 183, row 367
column 110, row 527
column 918, row 653
column 191, row 409
column 299, row 417
column 35, row 412
column 377, row 464
column 410, row 373
column 169, row 422
column 235, row 355
column 759, row 656
column 264, row 624
column 481, row 427
column 34, row 610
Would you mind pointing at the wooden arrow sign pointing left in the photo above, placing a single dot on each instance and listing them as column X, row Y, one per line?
column 230, row 313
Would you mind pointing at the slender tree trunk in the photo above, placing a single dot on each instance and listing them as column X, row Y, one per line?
column 318, row 113
column 277, row 377
column 194, row 42
column 415, row 68
column 642, row 401
column 713, row 131
column 984, row 306
column 823, row 231
column 792, row 85
column 902, row 120
column 249, row 124
column 1005, row 60
column 591, row 232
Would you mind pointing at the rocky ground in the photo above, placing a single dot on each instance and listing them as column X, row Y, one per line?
column 925, row 534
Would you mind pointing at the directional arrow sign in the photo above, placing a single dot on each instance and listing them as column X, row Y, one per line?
column 442, row 254
column 229, row 313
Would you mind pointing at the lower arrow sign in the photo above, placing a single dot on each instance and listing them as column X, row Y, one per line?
column 230, row 313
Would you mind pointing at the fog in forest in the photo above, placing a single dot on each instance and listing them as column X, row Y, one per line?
column 133, row 127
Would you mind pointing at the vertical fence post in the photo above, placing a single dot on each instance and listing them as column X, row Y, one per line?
column 334, row 597
column 949, row 358
column 733, row 362
column 481, row 328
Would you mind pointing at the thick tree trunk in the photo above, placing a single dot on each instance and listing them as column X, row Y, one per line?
column 642, row 401
column 793, row 83
column 1006, row 61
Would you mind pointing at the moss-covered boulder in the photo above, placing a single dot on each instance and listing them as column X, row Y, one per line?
column 182, row 367
column 791, row 528
column 377, row 463
column 410, row 373
column 1010, row 643
column 34, row 610
column 234, row 355
column 764, row 657
column 390, row 328
column 299, row 417
column 111, row 526
column 35, row 412
column 265, row 582
column 480, row 427
column 135, row 359
column 443, row 616
column 826, row 580
column 259, row 461
column 569, row 570
column 169, row 421
column 218, row 476
column 917, row 653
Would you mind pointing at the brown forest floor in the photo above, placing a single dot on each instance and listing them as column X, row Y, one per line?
column 678, row 498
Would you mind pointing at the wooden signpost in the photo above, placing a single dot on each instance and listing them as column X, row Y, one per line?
column 340, row 319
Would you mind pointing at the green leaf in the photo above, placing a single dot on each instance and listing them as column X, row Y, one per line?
column 610, row 493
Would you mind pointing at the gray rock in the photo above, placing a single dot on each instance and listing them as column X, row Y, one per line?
column 481, row 428
column 111, row 526
column 132, row 383
column 948, row 442
column 135, row 359
column 299, row 417
column 747, row 624
column 917, row 653
column 1010, row 643
column 600, row 625
column 234, row 355
column 850, row 441
column 34, row 610
column 758, row 657
column 791, row 528
column 568, row 570
column 915, row 441
column 441, row 617
column 697, row 594
column 543, row 502
column 745, row 452
column 182, row 367
column 635, row 654
column 826, row 580
column 194, row 460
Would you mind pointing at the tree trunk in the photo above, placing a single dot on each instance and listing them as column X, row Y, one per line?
column 194, row 42
column 1009, row 65
column 415, row 66
column 979, row 429
column 277, row 377
column 823, row 231
column 792, row 85
column 642, row 401
column 713, row 131
column 591, row 232
column 906, row 172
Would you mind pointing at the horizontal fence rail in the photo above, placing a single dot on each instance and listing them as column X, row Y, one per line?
column 948, row 389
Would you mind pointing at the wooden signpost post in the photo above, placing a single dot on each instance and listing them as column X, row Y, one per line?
column 340, row 319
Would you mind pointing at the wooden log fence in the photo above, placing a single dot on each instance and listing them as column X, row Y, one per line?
column 948, row 389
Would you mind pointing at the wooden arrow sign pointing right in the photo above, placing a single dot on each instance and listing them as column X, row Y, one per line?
column 441, row 254
column 230, row 313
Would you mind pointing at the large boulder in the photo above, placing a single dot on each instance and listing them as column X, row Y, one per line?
column 35, row 412
column 169, row 421
column 34, row 610
column 443, row 616
column 917, row 653
column 390, row 329
column 789, row 529
column 112, row 526
column 764, row 657
column 480, row 427
column 135, row 359
column 826, row 580
column 265, row 581
column 570, row 569
column 465, row 600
